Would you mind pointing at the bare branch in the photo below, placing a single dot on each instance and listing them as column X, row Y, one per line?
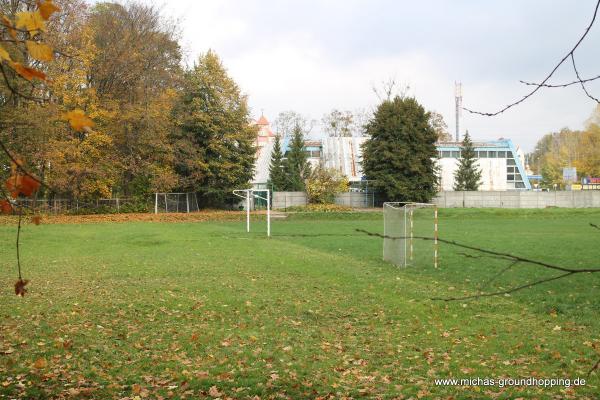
column 506, row 256
column 498, row 274
column 19, row 166
column 504, row 292
column 548, row 77
column 595, row 367
column 561, row 85
column 580, row 81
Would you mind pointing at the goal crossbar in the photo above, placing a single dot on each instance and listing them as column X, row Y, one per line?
column 248, row 194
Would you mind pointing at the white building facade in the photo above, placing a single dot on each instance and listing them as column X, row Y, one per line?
column 501, row 163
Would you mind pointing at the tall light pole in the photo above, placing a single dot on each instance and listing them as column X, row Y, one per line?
column 458, row 102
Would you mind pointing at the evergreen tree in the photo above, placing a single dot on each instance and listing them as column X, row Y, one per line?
column 400, row 154
column 296, row 165
column 468, row 175
column 214, row 144
column 277, row 178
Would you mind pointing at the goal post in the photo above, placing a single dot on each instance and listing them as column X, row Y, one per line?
column 175, row 203
column 410, row 233
column 249, row 195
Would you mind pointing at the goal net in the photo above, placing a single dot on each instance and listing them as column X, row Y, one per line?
column 405, row 226
column 175, row 203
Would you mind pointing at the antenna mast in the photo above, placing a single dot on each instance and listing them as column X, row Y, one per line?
column 458, row 101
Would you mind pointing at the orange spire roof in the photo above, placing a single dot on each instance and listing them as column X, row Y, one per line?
column 262, row 121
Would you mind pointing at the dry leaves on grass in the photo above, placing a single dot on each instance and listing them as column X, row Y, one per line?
column 203, row 216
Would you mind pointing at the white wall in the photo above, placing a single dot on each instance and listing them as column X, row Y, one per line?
column 493, row 173
column 344, row 154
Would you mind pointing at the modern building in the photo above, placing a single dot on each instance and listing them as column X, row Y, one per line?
column 501, row 163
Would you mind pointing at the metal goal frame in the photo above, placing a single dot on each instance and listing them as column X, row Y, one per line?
column 405, row 239
column 248, row 194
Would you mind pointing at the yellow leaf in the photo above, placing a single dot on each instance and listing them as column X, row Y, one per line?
column 4, row 54
column 11, row 30
column 47, row 8
column 40, row 51
column 78, row 120
column 31, row 21
column 27, row 72
column 40, row 363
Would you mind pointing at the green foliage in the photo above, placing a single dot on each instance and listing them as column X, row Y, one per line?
column 323, row 184
column 277, row 177
column 214, row 142
column 296, row 165
column 468, row 174
column 399, row 156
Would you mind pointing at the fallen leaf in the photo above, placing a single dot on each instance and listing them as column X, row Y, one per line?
column 40, row 363
column 20, row 287
column 36, row 219
column 214, row 392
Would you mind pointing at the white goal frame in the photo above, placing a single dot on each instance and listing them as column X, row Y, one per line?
column 408, row 236
column 248, row 194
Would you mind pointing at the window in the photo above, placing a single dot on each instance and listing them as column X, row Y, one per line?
column 456, row 154
column 446, row 154
column 518, row 177
column 492, row 154
column 510, row 170
column 520, row 185
column 510, row 161
column 501, row 154
column 510, row 177
column 482, row 154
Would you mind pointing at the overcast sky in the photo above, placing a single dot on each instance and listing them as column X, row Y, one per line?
column 312, row 56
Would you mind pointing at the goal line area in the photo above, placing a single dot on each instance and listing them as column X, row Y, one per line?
column 405, row 224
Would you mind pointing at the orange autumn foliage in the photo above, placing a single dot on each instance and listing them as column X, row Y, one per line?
column 5, row 207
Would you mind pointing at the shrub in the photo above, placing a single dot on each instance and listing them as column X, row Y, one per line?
column 323, row 184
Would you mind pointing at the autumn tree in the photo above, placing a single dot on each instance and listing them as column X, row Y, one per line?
column 399, row 155
column 436, row 120
column 322, row 185
column 135, row 73
column 286, row 122
column 23, row 65
column 338, row 123
column 214, row 140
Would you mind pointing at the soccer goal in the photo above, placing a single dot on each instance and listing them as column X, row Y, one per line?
column 175, row 203
column 249, row 195
column 405, row 225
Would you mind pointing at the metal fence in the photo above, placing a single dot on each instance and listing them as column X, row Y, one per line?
column 70, row 206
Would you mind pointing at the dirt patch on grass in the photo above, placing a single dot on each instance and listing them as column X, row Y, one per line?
column 202, row 216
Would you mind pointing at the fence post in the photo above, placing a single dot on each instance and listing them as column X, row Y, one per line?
column 187, row 201
column 118, row 207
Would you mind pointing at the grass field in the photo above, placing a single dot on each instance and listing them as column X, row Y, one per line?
column 202, row 309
